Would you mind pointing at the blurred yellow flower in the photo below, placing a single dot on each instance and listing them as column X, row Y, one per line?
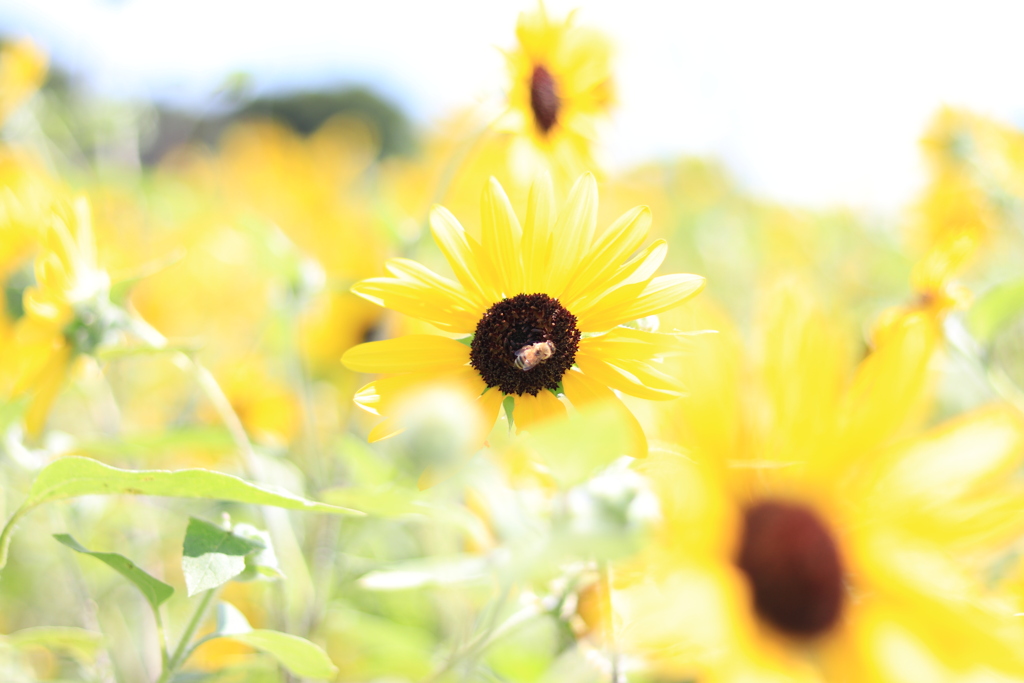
column 545, row 303
column 953, row 220
column 807, row 534
column 22, row 71
column 561, row 89
column 314, row 190
column 66, row 312
column 266, row 406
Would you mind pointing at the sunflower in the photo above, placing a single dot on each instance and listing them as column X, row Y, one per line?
column 22, row 70
column 67, row 312
column 561, row 88
column 544, row 304
column 956, row 217
column 809, row 533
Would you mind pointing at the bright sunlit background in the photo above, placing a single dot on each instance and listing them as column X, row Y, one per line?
column 806, row 102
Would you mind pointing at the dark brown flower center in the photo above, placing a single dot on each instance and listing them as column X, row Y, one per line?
column 525, row 344
column 544, row 98
column 794, row 568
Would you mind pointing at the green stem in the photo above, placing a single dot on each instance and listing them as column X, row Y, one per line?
column 479, row 645
column 608, row 618
column 162, row 636
column 5, row 535
column 179, row 656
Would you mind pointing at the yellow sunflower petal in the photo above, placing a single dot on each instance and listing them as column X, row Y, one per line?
column 401, row 395
column 501, row 237
column 707, row 420
column 694, row 506
column 636, row 381
column 620, row 240
column 51, row 275
column 381, row 395
column 537, row 239
column 799, row 405
column 629, row 342
column 582, row 391
column 950, row 484
column 457, row 248
column 662, row 293
column 384, row 430
column 625, row 284
column 937, row 641
column 532, row 410
column 412, row 271
column 419, row 301
column 692, row 625
column 490, row 405
column 573, row 234
column 48, row 385
column 890, row 386
column 411, row 353
column 22, row 70
column 974, row 451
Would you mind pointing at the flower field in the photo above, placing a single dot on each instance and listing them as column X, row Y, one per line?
column 297, row 390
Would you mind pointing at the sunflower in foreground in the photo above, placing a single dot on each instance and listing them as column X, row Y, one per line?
column 561, row 89
column 543, row 305
column 807, row 536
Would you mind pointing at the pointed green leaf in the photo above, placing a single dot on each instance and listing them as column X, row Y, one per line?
column 154, row 590
column 81, row 644
column 213, row 555
column 262, row 564
column 74, row 476
column 431, row 571
column 298, row 655
column 230, row 621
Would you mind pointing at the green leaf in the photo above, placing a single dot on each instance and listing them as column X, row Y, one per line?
column 230, row 620
column 575, row 449
column 263, row 563
column 995, row 309
column 1007, row 353
column 213, row 555
column 154, row 590
column 380, row 501
column 431, row 571
column 81, row 644
column 379, row 648
column 74, row 476
column 298, row 655
column 509, row 404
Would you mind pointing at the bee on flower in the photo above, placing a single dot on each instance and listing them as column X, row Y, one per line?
column 536, row 313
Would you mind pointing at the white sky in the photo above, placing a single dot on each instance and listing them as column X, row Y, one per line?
column 807, row 101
